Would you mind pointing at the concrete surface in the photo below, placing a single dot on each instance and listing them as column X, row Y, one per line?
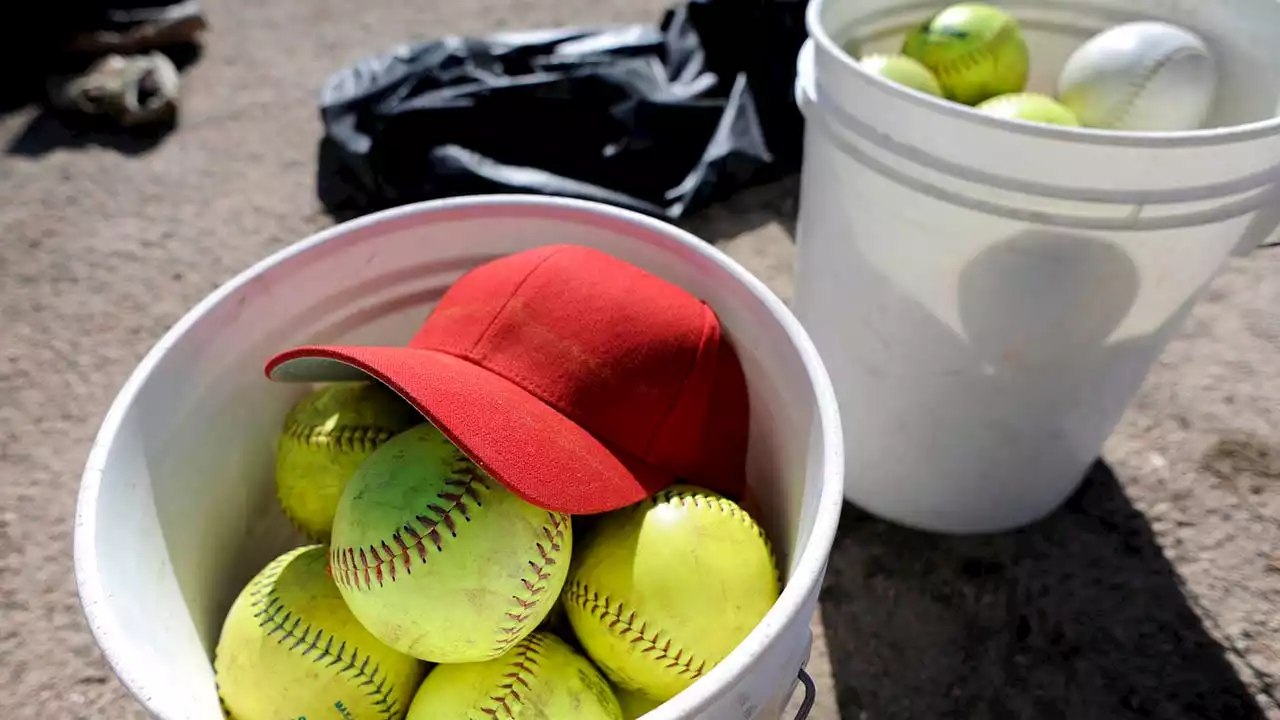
column 1152, row 594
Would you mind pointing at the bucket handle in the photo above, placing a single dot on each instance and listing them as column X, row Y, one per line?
column 810, row 695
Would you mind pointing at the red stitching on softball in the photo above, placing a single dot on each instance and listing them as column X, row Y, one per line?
column 689, row 498
column 523, row 667
column 282, row 622
column 360, row 568
column 969, row 60
column 549, row 551
column 348, row 438
column 622, row 620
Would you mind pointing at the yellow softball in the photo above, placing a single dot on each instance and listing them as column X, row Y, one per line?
column 326, row 436
column 541, row 678
column 975, row 50
column 634, row 705
column 290, row 648
column 1032, row 107
column 902, row 70
column 663, row 590
column 439, row 560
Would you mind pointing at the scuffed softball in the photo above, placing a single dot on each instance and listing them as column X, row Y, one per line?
column 439, row 560
column 663, row 590
column 1145, row 76
column 975, row 49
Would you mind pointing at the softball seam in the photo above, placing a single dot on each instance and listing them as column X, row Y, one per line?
column 974, row 57
column 1139, row 85
column 616, row 616
column 622, row 620
column 348, row 438
column 534, row 586
column 523, row 668
column 723, row 505
column 351, row 565
column 268, row 607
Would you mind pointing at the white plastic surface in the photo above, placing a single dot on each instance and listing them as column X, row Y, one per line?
column 177, row 509
column 988, row 295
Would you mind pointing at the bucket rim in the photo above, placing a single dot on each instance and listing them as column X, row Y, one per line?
column 810, row 560
column 1202, row 137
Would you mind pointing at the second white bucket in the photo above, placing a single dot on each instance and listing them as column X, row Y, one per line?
column 988, row 295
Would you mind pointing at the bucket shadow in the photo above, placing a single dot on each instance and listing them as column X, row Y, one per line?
column 1077, row 616
column 1039, row 297
column 1023, row 333
column 753, row 207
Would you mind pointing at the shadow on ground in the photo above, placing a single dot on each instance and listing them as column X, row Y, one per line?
column 1078, row 616
column 747, row 210
column 51, row 129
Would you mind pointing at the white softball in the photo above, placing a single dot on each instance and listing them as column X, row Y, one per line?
column 1147, row 75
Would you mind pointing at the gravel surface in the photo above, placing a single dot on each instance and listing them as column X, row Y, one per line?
column 1153, row 593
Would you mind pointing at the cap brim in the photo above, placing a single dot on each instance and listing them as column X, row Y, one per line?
column 522, row 442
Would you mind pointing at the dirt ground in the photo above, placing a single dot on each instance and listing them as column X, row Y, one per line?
column 1154, row 593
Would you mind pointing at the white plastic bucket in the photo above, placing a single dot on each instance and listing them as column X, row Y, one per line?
column 177, row 507
column 988, row 295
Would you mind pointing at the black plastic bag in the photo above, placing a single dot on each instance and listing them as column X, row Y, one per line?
column 662, row 119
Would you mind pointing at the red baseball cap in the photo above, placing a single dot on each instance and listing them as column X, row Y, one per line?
column 581, row 382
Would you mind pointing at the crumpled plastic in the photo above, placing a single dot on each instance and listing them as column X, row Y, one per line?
column 663, row 119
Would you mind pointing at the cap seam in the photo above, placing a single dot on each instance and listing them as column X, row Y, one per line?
column 707, row 326
column 506, row 303
column 522, row 382
column 621, row 454
column 519, row 380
